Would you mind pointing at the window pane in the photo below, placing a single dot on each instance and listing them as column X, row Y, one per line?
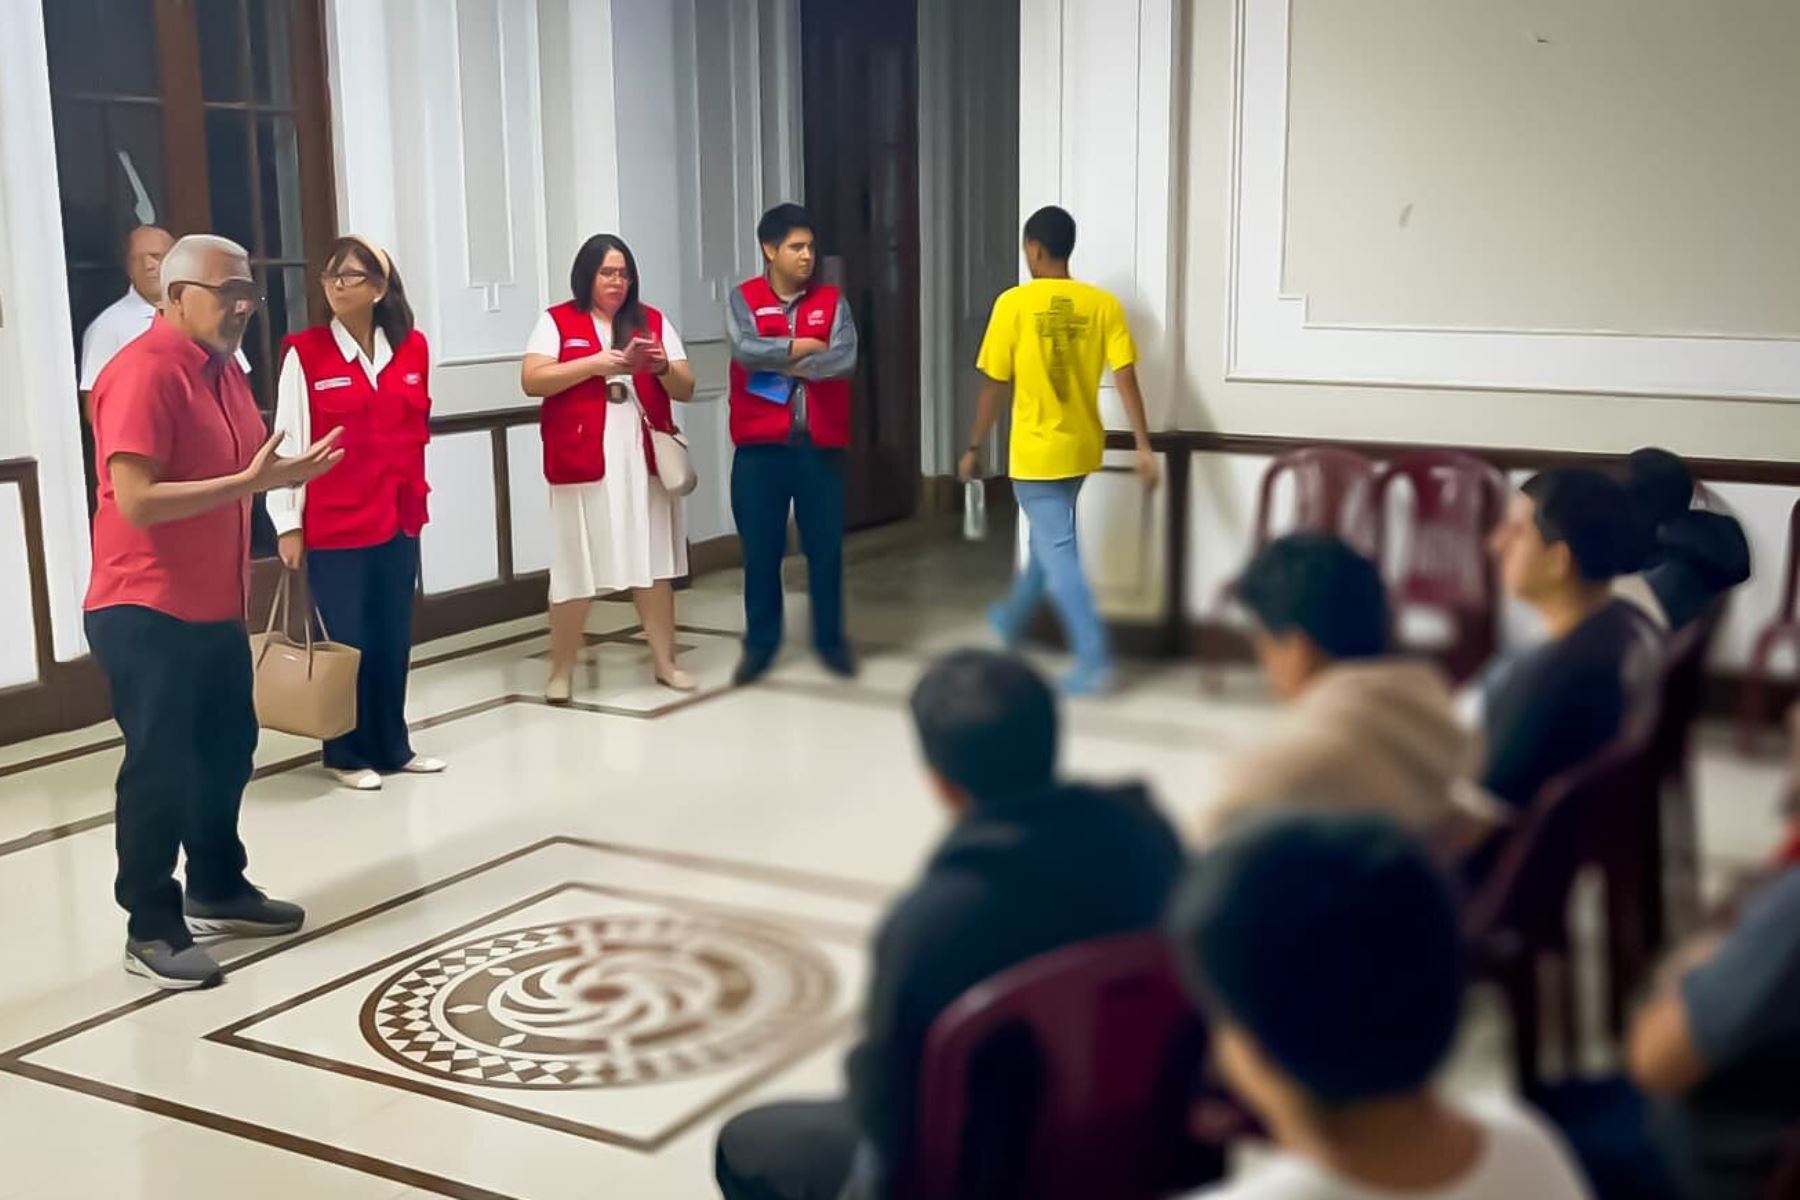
column 257, row 342
column 81, row 169
column 287, row 305
column 220, row 26
column 135, row 163
column 269, row 51
column 100, row 46
column 228, row 171
column 278, row 157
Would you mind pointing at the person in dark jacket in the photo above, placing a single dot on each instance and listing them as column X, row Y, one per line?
column 1692, row 555
column 1031, row 865
column 1566, row 539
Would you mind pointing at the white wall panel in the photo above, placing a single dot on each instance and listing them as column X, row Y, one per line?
column 460, row 547
column 35, row 363
column 530, row 498
column 696, row 118
column 1272, row 335
column 18, row 629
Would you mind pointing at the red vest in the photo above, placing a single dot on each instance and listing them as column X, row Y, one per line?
column 574, row 421
column 379, row 488
column 755, row 420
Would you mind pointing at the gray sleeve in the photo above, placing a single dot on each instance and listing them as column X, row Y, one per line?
column 749, row 348
column 1744, row 999
column 839, row 358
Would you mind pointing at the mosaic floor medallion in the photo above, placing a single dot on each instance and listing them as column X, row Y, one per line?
column 609, row 1001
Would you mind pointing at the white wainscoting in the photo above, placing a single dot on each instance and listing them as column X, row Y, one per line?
column 18, row 625
column 1270, row 337
column 461, row 547
column 529, row 496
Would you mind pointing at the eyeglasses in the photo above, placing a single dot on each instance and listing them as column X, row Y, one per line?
column 346, row 279
column 238, row 294
column 614, row 274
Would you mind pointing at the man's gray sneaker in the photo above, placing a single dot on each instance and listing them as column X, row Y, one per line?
column 174, row 970
column 251, row 914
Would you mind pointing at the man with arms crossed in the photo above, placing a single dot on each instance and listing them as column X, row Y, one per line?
column 793, row 350
column 1049, row 339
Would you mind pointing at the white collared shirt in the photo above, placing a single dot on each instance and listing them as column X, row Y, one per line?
column 119, row 324
column 293, row 415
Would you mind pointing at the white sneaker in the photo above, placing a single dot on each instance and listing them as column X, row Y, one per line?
column 420, row 765
column 559, row 691
column 361, row 781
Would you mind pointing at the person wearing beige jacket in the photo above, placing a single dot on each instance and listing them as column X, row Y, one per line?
column 1359, row 729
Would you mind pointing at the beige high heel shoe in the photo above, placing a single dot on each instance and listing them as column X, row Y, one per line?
column 678, row 680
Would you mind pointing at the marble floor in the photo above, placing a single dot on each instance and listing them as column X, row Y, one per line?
column 494, row 993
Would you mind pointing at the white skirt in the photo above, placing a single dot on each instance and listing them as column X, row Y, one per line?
column 622, row 532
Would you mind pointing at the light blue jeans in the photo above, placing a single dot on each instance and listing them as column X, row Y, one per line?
column 1053, row 565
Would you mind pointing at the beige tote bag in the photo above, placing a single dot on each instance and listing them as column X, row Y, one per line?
column 306, row 689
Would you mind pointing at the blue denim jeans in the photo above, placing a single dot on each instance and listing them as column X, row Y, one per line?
column 1053, row 566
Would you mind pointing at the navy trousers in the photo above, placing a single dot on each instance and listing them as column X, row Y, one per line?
column 766, row 482
column 366, row 598
column 181, row 692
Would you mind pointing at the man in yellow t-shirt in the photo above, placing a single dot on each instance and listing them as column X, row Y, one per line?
column 1049, row 340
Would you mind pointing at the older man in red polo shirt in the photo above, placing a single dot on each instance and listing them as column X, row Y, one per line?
column 180, row 449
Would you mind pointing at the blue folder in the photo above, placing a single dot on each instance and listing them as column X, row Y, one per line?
column 771, row 386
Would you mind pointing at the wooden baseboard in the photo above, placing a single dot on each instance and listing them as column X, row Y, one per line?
column 714, row 554
column 942, row 494
column 70, row 696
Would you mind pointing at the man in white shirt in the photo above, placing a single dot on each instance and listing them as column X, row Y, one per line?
column 1325, row 950
column 128, row 317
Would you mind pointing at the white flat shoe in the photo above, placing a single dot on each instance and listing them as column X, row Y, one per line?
column 360, row 781
column 678, row 680
column 559, row 691
column 420, row 765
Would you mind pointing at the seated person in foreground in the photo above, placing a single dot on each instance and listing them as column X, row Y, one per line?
column 1693, row 556
column 1031, row 865
column 1713, row 1094
column 1326, row 953
column 1360, row 729
column 1566, row 537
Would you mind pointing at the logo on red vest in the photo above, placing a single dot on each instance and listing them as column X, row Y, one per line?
column 771, row 310
column 815, row 318
column 578, row 344
column 413, row 378
column 326, row 385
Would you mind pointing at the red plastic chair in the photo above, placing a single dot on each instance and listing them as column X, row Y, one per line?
column 1106, row 1046
column 1334, row 492
column 1783, row 626
column 1672, row 900
column 1443, row 564
column 1591, row 816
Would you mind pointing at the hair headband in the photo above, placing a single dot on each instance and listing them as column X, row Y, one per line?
column 375, row 252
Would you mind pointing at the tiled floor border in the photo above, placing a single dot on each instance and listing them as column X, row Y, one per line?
column 16, row 1061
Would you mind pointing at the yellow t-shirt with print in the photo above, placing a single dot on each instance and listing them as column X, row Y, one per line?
column 1050, row 339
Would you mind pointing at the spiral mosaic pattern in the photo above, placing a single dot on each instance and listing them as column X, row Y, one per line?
column 610, row 1001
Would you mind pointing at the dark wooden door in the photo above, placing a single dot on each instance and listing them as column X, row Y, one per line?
column 860, row 97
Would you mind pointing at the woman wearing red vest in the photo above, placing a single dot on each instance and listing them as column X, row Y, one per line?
column 357, row 531
column 607, row 366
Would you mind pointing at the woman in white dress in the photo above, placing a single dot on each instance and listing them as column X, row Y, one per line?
column 607, row 366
